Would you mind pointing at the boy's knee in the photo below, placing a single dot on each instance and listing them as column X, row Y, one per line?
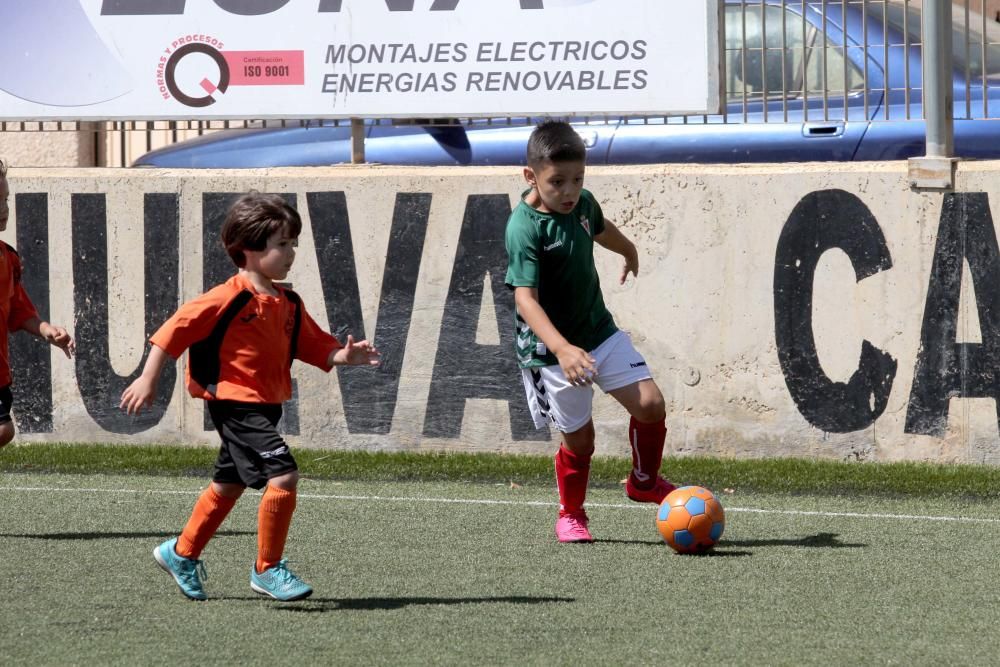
column 228, row 490
column 581, row 441
column 287, row 482
column 6, row 432
column 652, row 406
column 651, row 409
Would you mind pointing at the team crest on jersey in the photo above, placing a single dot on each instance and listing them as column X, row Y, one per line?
column 586, row 224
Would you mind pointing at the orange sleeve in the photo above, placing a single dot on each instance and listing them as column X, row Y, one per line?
column 192, row 322
column 21, row 307
column 314, row 345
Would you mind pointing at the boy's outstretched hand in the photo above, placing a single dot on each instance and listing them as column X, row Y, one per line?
column 631, row 265
column 142, row 391
column 356, row 353
column 59, row 337
column 138, row 395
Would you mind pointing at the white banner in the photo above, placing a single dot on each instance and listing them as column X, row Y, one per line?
column 195, row 59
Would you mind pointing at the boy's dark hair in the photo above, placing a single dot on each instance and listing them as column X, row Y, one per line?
column 252, row 219
column 555, row 141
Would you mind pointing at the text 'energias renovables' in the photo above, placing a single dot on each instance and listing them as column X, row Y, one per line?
column 570, row 78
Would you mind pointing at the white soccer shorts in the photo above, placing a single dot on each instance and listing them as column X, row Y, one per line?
column 553, row 400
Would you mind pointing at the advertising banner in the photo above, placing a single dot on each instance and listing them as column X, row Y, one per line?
column 205, row 59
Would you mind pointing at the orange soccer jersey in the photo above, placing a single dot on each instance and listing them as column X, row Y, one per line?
column 242, row 342
column 15, row 306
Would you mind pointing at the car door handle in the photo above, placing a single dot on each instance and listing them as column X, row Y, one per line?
column 822, row 130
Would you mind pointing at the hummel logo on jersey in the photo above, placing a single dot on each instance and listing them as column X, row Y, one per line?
column 586, row 223
column 638, row 365
column 248, row 317
column 552, row 246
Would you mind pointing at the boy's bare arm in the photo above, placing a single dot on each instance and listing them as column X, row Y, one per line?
column 52, row 334
column 355, row 353
column 612, row 239
column 142, row 391
column 576, row 363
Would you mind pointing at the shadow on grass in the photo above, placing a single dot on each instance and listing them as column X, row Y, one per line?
column 319, row 605
column 820, row 540
column 112, row 536
column 653, row 543
column 660, row 544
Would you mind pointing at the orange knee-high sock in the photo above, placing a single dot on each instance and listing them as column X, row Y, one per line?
column 273, row 518
column 209, row 513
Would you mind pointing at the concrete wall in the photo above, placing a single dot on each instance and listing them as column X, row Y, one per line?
column 814, row 310
column 48, row 147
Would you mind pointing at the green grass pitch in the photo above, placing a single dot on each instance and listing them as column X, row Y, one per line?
column 469, row 572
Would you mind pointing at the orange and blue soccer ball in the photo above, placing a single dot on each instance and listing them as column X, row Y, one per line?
column 691, row 519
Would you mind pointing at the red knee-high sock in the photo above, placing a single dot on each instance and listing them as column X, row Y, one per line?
column 273, row 518
column 209, row 513
column 572, row 475
column 647, row 450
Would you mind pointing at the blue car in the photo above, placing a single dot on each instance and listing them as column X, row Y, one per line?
column 778, row 62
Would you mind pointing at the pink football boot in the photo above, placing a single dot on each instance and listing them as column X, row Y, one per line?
column 573, row 528
column 656, row 494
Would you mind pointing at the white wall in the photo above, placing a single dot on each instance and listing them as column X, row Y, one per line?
column 712, row 303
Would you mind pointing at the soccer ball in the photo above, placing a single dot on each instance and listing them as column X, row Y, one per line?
column 691, row 519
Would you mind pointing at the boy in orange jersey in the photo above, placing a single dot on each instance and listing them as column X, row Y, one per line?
column 17, row 313
column 242, row 336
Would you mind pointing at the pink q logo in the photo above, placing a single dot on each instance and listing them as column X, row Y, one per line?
column 170, row 76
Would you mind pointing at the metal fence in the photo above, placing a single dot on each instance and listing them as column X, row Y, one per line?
column 856, row 59
column 783, row 61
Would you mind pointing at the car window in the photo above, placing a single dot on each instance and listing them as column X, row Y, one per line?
column 836, row 74
column 755, row 72
column 761, row 66
column 973, row 52
column 976, row 50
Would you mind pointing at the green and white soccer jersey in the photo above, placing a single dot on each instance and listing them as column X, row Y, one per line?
column 554, row 252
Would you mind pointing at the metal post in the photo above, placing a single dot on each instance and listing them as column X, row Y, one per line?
column 939, row 95
column 936, row 169
column 357, row 141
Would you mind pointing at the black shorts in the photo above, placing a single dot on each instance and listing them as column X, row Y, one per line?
column 252, row 451
column 6, row 402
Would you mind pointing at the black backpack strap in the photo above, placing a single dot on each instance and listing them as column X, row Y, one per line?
column 204, row 355
column 297, row 302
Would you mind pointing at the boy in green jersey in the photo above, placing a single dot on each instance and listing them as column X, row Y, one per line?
column 566, row 339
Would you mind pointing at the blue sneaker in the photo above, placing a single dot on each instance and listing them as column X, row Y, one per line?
column 186, row 572
column 280, row 583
